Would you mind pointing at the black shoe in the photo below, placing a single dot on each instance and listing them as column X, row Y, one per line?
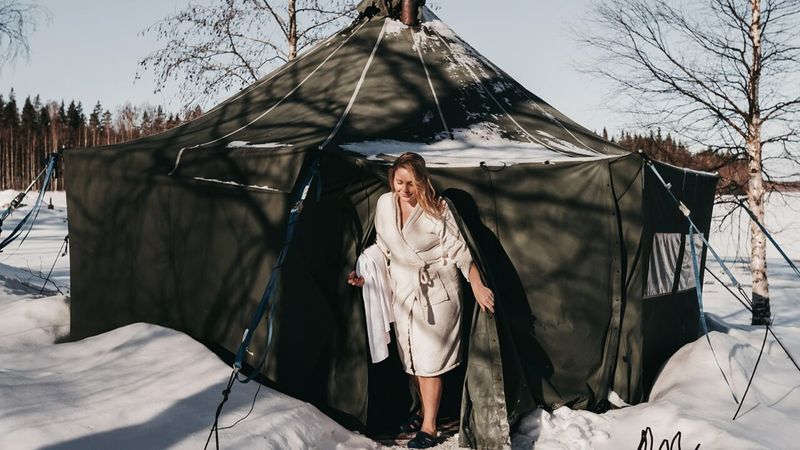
column 422, row 440
column 412, row 425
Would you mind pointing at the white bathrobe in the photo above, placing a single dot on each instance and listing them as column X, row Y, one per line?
column 425, row 257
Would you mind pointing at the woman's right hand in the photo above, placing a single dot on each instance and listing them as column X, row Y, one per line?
column 355, row 280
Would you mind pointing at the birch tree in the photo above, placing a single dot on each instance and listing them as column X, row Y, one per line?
column 211, row 50
column 722, row 73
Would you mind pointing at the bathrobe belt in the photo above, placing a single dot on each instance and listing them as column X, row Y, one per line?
column 424, row 280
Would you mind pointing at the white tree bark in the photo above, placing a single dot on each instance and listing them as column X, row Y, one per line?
column 755, row 185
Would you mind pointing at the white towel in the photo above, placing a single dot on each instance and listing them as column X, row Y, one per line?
column 372, row 266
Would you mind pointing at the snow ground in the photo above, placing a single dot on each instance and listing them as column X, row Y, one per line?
column 118, row 390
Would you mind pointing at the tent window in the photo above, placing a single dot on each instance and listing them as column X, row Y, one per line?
column 670, row 267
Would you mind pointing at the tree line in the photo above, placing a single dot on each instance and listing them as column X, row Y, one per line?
column 730, row 165
column 32, row 129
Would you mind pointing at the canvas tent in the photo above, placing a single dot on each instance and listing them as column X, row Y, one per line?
column 585, row 251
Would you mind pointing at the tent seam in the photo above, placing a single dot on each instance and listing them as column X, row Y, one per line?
column 430, row 83
column 357, row 88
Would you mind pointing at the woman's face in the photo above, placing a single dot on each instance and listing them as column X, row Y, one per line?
column 404, row 186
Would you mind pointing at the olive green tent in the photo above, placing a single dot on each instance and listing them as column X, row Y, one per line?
column 583, row 246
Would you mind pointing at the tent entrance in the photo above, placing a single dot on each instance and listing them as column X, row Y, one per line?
column 390, row 395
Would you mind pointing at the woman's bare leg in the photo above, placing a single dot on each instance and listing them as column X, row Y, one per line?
column 431, row 393
column 415, row 381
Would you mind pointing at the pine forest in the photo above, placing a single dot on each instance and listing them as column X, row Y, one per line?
column 34, row 128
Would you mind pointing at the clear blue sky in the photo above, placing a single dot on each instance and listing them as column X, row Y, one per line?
column 89, row 50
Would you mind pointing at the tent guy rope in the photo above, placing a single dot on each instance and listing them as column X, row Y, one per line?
column 769, row 236
column 357, row 88
column 30, row 218
column 698, row 285
column 17, row 201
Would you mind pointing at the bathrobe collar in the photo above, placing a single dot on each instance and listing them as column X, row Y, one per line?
column 416, row 213
column 404, row 253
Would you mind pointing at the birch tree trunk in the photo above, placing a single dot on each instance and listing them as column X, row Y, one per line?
column 292, row 34
column 755, row 185
column 718, row 72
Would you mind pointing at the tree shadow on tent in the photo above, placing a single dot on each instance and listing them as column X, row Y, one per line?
column 526, row 365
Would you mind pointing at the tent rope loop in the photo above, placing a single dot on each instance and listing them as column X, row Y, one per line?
column 647, row 442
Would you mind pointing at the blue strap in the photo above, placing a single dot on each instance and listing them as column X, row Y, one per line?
column 34, row 212
column 18, row 199
column 299, row 198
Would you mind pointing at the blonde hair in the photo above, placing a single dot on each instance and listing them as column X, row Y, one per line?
column 426, row 194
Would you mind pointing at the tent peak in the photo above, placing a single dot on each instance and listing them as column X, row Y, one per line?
column 409, row 11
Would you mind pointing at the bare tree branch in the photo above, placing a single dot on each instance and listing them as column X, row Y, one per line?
column 17, row 23
column 229, row 44
column 724, row 73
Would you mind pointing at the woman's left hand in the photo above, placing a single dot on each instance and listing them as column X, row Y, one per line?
column 484, row 297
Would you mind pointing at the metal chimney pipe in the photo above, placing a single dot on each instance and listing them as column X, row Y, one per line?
column 409, row 12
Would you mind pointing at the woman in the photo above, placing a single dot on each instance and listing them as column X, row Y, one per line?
column 419, row 237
